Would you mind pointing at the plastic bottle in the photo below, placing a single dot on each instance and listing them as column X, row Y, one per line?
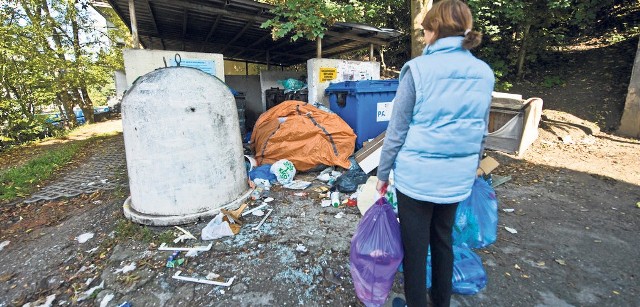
column 256, row 193
column 335, row 198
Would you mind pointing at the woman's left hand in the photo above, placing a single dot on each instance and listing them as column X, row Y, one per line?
column 381, row 187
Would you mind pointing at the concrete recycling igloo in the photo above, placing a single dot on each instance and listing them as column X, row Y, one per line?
column 183, row 147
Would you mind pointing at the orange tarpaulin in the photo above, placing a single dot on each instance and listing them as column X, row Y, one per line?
column 302, row 134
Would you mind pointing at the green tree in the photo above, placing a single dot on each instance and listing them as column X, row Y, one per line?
column 51, row 54
column 308, row 18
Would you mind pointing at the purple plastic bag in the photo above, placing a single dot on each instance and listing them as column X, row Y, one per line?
column 376, row 253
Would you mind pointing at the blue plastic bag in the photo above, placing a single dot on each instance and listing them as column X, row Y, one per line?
column 376, row 252
column 469, row 276
column 263, row 172
column 476, row 222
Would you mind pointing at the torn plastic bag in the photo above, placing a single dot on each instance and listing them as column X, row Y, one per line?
column 349, row 181
column 376, row 253
column 262, row 172
column 216, row 228
column 476, row 223
column 469, row 276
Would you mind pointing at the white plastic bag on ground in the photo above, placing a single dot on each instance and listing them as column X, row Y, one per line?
column 284, row 171
column 216, row 228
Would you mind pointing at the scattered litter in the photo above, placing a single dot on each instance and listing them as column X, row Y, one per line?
column 258, row 212
column 339, row 215
column 284, row 171
column 201, row 248
column 125, row 304
column 257, row 193
column 212, row 276
column 3, row 244
column 321, row 189
column 297, row 185
column 567, row 140
column 91, row 183
column 49, row 300
column 263, row 219
column 89, row 292
column 497, row 180
column 106, row 299
column 588, row 140
column 511, row 230
column 517, row 267
column 264, row 183
column 204, row 281
column 561, row 262
column 540, row 264
column 103, row 181
column 254, row 209
column 89, row 280
column 93, row 250
column 186, row 235
column 335, row 199
column 301, row 194
column 637, row 206
column 301, row 248
column 268, row 199
column 172, row 262
column 325, row 203
column 97, row 202
column 84, row 237
column 324, row 177
column 191, row 253
column 126, row 268
column 216, row 228
column 508, row 210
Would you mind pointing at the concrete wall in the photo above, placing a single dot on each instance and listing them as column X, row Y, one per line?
column 269, row 79
column 250, row 85
column 121, row 82
column 138, row 62
column 320, row 74
column 630, row 123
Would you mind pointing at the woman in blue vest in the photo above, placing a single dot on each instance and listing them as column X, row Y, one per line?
column 434, row 142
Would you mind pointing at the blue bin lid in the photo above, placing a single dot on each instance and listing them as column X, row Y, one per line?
column 364, row 86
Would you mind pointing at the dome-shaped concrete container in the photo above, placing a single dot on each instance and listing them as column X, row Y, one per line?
column 183, row 147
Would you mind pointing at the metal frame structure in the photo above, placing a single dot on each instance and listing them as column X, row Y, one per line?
column 232, row 28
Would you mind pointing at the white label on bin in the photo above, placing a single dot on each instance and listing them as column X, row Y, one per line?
column 383, row 113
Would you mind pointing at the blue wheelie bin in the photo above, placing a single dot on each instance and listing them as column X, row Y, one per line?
column 364, row 105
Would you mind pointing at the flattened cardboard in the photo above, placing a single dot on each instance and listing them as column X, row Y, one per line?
column 368, row 157
column 487, row 165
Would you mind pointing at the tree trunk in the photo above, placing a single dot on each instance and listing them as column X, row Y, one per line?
column 523, row 51
column 419, row 9
column 86, row 103
column 630, row 123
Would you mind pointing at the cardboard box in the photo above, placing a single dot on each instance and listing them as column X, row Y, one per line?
column 487, row 165
column 368, row 157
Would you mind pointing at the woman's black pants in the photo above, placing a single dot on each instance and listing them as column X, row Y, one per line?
column 422, row 224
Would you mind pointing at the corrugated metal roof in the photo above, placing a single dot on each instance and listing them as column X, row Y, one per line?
column 232, row 28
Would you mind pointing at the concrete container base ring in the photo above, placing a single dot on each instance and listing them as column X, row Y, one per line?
column 170, row 220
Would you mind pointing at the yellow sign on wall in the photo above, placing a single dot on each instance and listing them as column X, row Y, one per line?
column 328, row 74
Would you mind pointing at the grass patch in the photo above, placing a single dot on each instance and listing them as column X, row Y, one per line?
column 127, row 230
column 21, row 181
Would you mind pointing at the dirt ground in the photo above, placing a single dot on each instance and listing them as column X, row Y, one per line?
column 575, row 195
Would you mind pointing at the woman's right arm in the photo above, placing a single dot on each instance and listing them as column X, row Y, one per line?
column 401, row 115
